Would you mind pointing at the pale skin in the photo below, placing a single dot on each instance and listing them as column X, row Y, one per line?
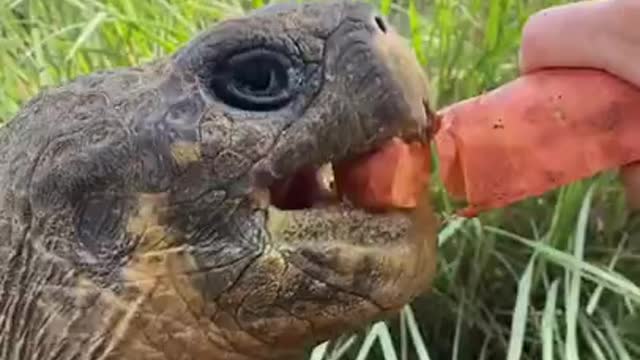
column 602, row 34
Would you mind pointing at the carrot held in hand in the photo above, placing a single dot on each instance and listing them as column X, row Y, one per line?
column 536, row 133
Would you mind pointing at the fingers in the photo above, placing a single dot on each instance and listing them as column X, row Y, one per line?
column 622, row 35
column 600, row 34
column 563, row 36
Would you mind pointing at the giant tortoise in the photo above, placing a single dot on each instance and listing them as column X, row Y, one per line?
column 136, row 212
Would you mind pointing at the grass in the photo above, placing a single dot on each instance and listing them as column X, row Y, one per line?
column 555, row 277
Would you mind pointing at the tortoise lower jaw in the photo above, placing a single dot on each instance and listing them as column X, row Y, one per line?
column 385, row 258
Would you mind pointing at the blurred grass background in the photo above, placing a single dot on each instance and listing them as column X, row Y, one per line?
column 555, row 277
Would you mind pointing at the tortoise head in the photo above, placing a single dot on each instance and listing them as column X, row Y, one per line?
column 186, row 197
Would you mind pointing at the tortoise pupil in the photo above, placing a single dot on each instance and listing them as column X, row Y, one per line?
column 259, row 78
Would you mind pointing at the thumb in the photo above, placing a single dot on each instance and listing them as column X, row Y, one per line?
column 567, row 35
column 594, row 34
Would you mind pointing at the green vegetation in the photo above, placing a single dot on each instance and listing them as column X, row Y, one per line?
column 556, row 277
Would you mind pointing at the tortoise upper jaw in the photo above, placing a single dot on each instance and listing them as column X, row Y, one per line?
column 417, row 119
column 400, row 109
column 374, row 88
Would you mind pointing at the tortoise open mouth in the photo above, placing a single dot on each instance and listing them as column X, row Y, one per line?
column 306, row 188
column 315, row 186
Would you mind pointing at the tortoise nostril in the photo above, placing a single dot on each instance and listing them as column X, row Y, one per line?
column 381, row 24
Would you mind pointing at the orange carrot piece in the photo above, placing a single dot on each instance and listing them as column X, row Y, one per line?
column 393, row 177
column 536, row 133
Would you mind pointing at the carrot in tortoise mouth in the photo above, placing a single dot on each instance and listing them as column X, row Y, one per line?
column 529, row 136
column 393, row 177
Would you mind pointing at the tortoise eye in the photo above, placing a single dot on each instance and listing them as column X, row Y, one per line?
column 257, row 80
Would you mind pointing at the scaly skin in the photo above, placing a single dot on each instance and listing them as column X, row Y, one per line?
column 132, row 218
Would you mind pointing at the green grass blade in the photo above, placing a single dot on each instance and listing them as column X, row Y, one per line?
column 385, row 7
column 319, row 352
column 591, row 341
column 597, row 294
column 342, row 348
column 86, row 32
column 612, row 280
column 386, row 342
column 549, row 321
column 458, row 333
column 519, row 321
column 367, row 344
column 614, row 337
column 450, row 229
column 573, row 301
column 416, row 338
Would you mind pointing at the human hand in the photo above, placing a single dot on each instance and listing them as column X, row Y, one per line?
column 602, row 34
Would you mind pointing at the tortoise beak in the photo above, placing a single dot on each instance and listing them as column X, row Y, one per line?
column 410, row 78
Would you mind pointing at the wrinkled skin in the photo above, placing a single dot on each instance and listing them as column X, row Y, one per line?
column 133, row 217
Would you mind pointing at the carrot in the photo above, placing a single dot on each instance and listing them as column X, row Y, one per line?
column 393, row 177
column 536, row 133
